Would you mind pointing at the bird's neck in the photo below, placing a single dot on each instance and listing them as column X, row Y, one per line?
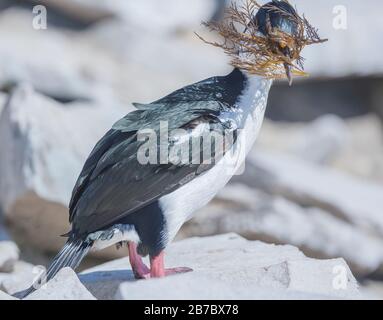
column 255, row 90
column 248, row 111
column 254, row 80
column 239, row 83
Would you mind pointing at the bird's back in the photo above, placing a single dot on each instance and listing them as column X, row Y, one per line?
column 113, row 183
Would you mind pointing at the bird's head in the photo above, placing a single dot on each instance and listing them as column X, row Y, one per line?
column 265, row 40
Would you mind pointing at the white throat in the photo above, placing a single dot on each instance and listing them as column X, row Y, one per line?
column 255, row 93
column 251, row 106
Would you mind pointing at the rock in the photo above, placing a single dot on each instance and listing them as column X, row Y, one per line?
column 116, row 56
column 166, row 16
column 4, row 296
column 64, row 286
column 22, row 277
column 44, row 146
column 359, row 158
column 9, row 254
column 320, row 141
column 59, row 64
column 103, row 281
column 331, row 141
column 354, row 200
column 233, row 268
column 71, row 14
column 259, row 216
column 138, row 55
column 192, row 287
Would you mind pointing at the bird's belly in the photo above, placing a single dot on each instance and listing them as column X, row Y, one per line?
column 180, row 205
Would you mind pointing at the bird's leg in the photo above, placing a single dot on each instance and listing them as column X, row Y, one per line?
column 157, row 268
column 140, row 270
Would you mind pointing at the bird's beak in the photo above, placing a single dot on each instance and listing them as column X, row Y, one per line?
column 288, row 73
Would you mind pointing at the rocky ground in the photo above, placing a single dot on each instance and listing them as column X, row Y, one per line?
column 316, row 185
column 225, row 267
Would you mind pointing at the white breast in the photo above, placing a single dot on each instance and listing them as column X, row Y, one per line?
column 180, row 205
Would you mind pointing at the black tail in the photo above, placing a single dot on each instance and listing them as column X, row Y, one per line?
column 70, row 256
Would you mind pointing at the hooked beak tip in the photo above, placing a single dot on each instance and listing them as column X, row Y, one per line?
column 288, row 73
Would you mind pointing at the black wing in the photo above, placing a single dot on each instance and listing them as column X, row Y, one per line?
column 113, row 183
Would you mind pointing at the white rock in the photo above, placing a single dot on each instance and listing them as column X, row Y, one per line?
column 355, row 200
column 103, row 281
column 9, row 254
column 140, row 76
column 21, row 278
column 192, row 287
column 237, row 268
column 256, row 215
column 56, row 63
column 64, row 286
column 167, row 15
column 359, row 158
column 57, row 142
column 320, row 141
column 114, row 56
column 331, row 141
column 44, row 146
column 4, row 296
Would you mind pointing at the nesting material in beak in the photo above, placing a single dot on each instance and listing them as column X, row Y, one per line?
column 259, row 49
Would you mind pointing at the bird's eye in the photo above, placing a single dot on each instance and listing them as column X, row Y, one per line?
column 282, row 45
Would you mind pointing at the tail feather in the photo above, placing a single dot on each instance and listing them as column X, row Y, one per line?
column 70, row 256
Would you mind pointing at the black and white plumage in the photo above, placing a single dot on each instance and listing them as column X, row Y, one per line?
column 117, row 198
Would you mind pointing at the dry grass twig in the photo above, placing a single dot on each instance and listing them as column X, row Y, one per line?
column 256, row 53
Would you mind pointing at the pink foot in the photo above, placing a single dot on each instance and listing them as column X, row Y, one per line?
column 140, row 270
column 157, row 270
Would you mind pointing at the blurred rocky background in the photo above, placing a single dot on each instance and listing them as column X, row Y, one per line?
column 314, row 180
